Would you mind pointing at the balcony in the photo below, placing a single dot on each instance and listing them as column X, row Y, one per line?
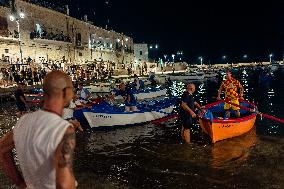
column 50, row 38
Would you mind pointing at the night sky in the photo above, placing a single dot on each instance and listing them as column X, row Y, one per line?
column 209, row 28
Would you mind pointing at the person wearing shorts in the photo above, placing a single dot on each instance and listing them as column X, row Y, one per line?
column 187, row 113
column 231, row 86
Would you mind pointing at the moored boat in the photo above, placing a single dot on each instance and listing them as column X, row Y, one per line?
column 147, row 93
column 106, row 115
column 187, row 76
column 219, row 129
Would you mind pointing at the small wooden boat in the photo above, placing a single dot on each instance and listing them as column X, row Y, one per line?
column 186, row 76
column 213, row 124
column 106, row 115
column 100, row 87
column 147, row 93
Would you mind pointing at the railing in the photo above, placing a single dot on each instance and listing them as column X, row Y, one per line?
column 50, row 36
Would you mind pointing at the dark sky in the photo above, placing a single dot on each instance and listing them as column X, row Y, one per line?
column 207, row 28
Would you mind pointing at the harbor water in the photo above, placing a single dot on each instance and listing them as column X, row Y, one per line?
column 153, row 156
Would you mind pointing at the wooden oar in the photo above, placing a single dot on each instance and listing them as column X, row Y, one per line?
column 249, row 109
column 158, row 121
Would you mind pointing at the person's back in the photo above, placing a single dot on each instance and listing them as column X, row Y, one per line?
column 37, row 136
column 44, row 141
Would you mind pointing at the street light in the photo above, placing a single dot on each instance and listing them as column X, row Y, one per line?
column 224, row 57
column 201, row 60
column 156, row 46
column 165, row 57
column 173, row 56
column 245, row 56
column 18, row 18
column 151, row 47
column 270, row 57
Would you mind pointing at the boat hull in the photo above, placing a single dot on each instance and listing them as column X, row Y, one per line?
column 125, row 118
column 186, row 77
column 147, row 95
column 221, row 130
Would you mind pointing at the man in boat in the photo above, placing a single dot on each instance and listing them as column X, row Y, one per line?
column 43, row 140
column 187, row 114
column 83, row 93
column 128, row 96
column 231, row 86
column 138, row 84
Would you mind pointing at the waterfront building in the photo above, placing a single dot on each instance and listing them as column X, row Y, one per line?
column 141, row 53
column 34, row 33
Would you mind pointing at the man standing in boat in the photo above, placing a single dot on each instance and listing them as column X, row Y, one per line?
column 231, row 86
column 187, row 114
column 128, row 96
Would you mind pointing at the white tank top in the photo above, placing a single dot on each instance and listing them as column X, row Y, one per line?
column 36, row 137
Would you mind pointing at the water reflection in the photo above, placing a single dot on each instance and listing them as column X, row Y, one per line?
column 99, row 140
column 233, row 151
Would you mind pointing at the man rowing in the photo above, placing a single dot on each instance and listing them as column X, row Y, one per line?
column 231, row 86
column 187, row 114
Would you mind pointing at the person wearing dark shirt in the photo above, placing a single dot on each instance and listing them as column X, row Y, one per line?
column 128, row 96
column 20, row 99
column 187, row 114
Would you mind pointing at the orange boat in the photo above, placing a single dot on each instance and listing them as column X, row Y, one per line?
column 218, row 128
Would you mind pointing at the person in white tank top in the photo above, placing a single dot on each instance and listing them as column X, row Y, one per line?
column 43, row 140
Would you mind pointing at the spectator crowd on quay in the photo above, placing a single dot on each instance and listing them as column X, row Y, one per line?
column 30, row 73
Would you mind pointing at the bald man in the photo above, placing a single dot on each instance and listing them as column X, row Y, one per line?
column 44, row 142
column 187, row 113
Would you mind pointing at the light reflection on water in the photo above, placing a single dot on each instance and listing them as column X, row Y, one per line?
column 152, row 156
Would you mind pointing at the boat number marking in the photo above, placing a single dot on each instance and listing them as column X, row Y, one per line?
column 103, row 116
column 227, row 126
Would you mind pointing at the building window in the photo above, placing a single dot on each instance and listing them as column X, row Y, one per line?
column 141, row 53
column 80, row 54
column 78, row 39
column 6, row 50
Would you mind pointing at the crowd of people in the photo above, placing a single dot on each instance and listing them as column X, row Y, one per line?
column 33, row 75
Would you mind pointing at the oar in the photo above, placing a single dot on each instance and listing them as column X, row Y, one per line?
column 158, row 121
column 249, row 109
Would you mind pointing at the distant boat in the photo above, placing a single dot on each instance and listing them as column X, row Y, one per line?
column 186, row 76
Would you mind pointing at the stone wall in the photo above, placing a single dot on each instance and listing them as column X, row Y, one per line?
column 95, row 43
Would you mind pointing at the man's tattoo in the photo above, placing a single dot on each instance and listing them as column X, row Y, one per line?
column 67, row 150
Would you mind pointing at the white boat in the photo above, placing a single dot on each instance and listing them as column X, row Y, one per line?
column 210, row 74
column 100, row 87
column 105, row 115
column 187, row 76
column 147, row 93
